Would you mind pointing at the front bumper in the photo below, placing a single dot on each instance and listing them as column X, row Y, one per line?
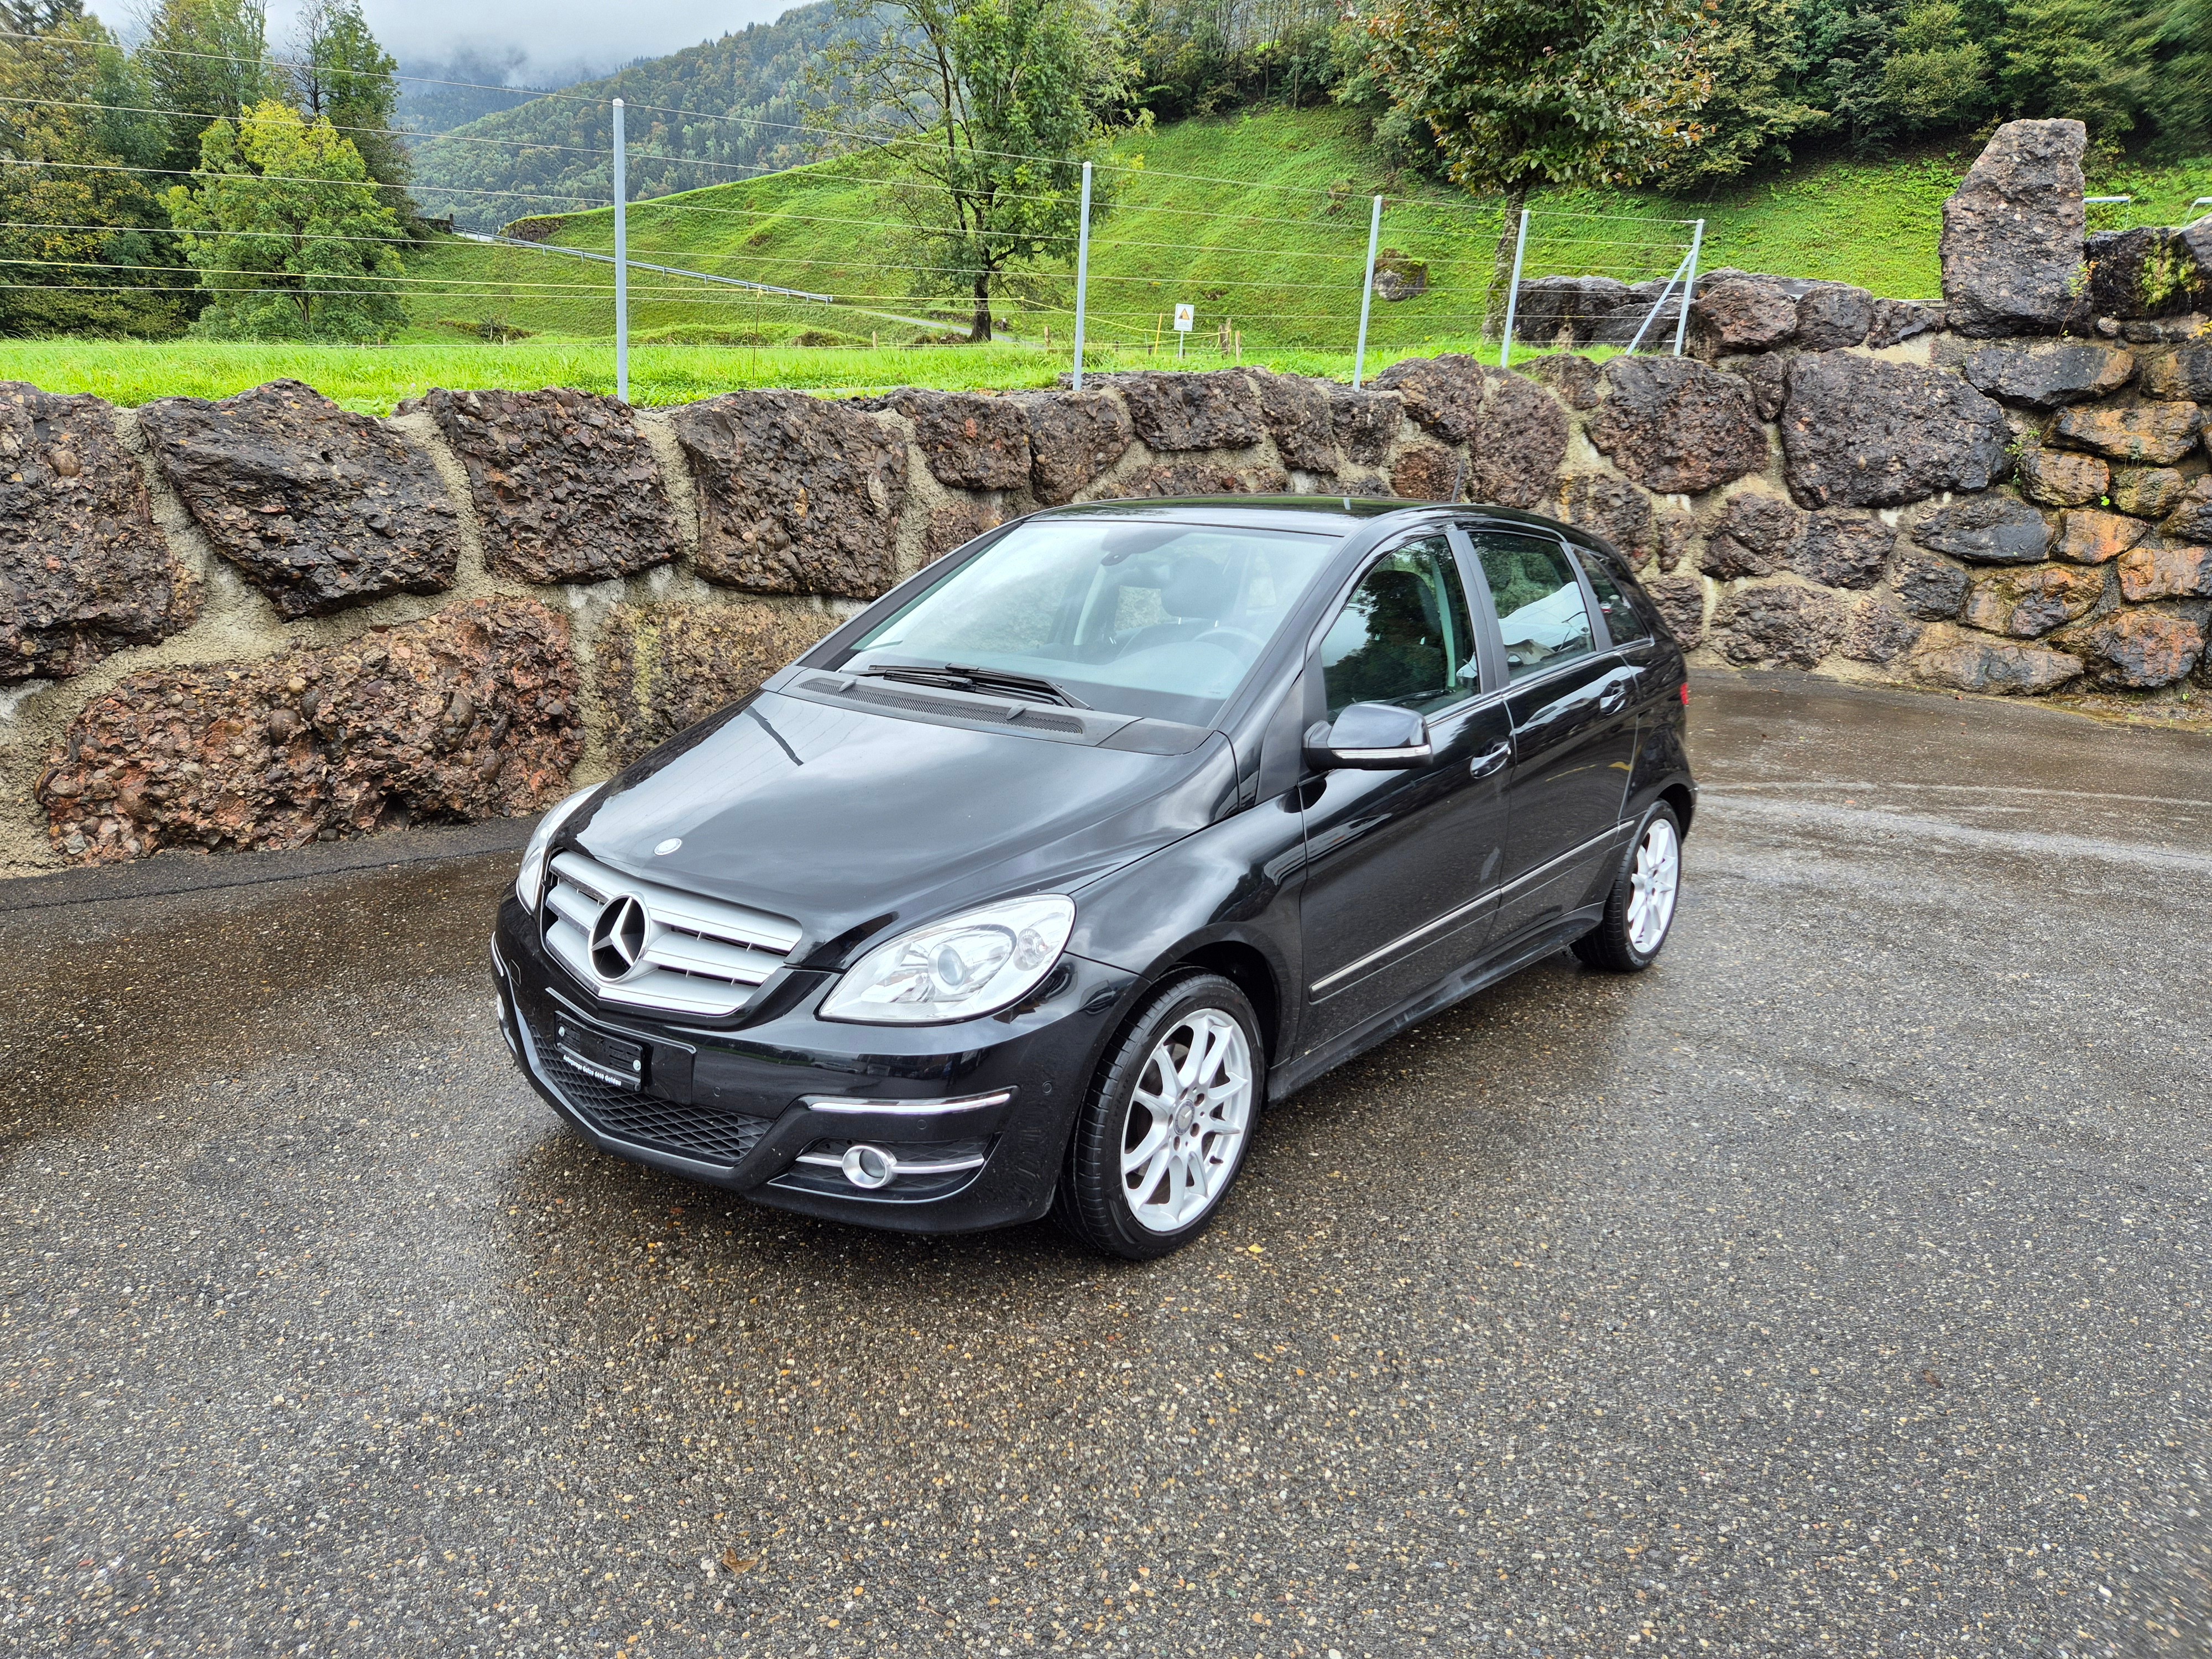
column 974, row 1116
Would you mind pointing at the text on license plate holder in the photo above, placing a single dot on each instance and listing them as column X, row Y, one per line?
column 612, row 1060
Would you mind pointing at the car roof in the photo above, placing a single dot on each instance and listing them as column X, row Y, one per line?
column 1315, row 514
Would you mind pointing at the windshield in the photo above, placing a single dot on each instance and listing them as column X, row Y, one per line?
column 1161, row 620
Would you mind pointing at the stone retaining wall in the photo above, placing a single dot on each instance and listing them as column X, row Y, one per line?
column 261, row 622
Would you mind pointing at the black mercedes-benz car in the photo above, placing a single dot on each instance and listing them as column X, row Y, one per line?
column 1025, row 890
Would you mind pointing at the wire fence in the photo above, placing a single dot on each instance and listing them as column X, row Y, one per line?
column 864, row 249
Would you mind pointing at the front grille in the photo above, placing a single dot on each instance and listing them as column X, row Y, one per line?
column 692, row 1131
column 700, row 956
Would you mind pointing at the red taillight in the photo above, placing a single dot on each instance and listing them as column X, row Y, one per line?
column 1686, row 694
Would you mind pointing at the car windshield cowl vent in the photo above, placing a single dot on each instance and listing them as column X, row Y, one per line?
column 997, row 711
column 644, row 946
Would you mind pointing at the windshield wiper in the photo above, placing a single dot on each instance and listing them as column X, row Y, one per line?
column 959, row 677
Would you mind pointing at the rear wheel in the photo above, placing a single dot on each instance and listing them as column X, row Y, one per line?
column 1165, row 1126
column 1640, row 909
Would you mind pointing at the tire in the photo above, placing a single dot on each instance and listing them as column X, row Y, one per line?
column 1121, row 1200
column 1640, row 910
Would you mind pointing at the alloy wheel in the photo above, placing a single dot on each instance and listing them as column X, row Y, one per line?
column 1186, row 1120
column 1654, row 883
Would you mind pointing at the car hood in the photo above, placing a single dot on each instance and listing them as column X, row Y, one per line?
column 847, row 821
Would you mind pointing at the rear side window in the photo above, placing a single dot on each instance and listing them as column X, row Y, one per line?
column 1404, row 636
column 1541, row 611
column 1622, row 619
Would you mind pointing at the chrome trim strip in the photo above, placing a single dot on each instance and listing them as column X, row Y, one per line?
column 914, row 1107
column 1497, row 895
column 898, row 1166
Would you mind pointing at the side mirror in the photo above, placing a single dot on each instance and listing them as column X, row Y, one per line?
column 1369, row 736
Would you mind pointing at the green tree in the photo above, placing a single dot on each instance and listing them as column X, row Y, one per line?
column 203, row 61
column 996, row 104
column 291, row 239
column 339, row 70
column 1757, row 57
column 1937, row 75
column 82, row 247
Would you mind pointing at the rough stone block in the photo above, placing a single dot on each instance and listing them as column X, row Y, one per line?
column 1297, row 411
column 969, row 441
column 1745, row 313
column 470, row 713
column 2147, row 492
column 1843, row 550
column 1675, row 426
column 2131, row 272
column 1208, row 478
column 1365, row 422
column 1513, row 457
column 1768, row 377
column 2182, row 375
column 1831, row 315
column 2159, row 570
column 1428, row 472
column 2137, row 650
column 1960, row 664
column 1896, row 321
column 1988, row 530
column 1443, row 394
column 1681, row 602
column 1780, row 622
column 1569, row 373
column 320, row 507
column 795, row 496
column 1073, row 437
column 1609, row 507
column 2046, row 374
column 1752, row 536
column 1576, row 304
column 1677, row 536
column 2087, row 536
column 1217, row 409
column 1928, row 584
column 956, row 524
column 2061, row 478
column 564, row 484
column 665, row 667
column 2012, row 244
column 1865, row 432
column 1879, row 632
column 2027, row 604
column 2190, row 519
column 2153, row 435
column 83, row 571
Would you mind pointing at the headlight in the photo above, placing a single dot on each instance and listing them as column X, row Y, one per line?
column 530, row 880
column 956, row 969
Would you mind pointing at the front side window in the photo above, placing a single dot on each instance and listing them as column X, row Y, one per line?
column 1404, row 637
column 1132, row 616
column 1622, row 620
column 1541, row 611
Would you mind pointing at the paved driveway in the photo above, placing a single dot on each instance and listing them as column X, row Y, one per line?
column 1839, row 1286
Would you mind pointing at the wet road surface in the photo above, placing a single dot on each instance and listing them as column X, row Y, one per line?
column 1838, row 1286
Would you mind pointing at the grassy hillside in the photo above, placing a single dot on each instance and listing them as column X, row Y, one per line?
column 1261, row 222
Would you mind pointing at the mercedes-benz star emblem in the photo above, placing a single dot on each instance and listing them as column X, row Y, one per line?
column 618, row 939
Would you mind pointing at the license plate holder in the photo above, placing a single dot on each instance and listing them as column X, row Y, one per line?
column 615, row 1061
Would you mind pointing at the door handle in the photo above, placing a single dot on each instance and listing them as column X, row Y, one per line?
column 1489, row 761
column 1610, row 700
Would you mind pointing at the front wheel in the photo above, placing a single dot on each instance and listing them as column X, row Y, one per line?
column 1641, row 906
column 1165, row 1127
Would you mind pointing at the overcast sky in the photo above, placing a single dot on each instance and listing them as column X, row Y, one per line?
column 552, row 34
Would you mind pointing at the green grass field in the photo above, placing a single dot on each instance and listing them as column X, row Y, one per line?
column 1260, row 221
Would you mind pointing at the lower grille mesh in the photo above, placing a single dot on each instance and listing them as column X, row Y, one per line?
column 690, row 1131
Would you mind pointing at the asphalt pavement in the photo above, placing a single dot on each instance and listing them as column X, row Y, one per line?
column 1838, row 1286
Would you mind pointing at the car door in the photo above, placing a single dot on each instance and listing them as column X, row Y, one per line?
column 1572, row 702
column 1400, row 866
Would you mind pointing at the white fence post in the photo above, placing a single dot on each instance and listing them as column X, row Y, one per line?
column 1513, row 293
column 622, row 266
column 1689, row 288
column 1367, row 295
column 1082, row 273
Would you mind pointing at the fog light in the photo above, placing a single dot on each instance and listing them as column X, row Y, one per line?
column 868, row 1167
